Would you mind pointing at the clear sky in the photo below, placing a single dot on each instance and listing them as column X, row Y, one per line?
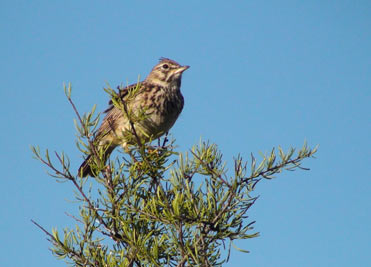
column 263, row 73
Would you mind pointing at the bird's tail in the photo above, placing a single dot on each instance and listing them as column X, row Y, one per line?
column 85, row 168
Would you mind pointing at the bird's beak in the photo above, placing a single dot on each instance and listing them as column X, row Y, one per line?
column 181, row 69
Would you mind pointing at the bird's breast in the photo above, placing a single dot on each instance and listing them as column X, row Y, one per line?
column 162, row 107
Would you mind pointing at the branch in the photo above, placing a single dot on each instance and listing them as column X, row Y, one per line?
column 211, row 170
column 62, row 245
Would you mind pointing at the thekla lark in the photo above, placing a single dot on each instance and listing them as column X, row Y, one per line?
column 159, row 96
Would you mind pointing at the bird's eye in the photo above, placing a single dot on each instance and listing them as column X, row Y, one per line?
column 165, row 66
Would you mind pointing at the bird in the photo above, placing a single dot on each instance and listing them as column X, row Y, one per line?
column 158, row 96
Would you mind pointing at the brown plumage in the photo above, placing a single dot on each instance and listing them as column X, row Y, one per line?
column 158, row 96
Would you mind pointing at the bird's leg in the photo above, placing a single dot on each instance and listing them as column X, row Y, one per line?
column 165, row 140
column 127, row 150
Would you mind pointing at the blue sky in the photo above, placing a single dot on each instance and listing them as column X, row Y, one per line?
column 263, row 74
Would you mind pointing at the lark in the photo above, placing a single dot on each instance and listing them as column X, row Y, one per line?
column 158, row 97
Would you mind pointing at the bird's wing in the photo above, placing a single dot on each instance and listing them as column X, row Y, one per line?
column 113, row 113
column 122, row 93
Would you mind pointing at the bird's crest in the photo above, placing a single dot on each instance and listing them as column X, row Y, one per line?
column 164, row 59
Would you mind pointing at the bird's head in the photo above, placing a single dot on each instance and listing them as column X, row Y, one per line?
column 166, row 73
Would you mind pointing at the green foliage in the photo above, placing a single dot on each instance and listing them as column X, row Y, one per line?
column 155, row 206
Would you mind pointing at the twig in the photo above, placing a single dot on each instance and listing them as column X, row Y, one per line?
column 45, row 231
column 211, row 170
